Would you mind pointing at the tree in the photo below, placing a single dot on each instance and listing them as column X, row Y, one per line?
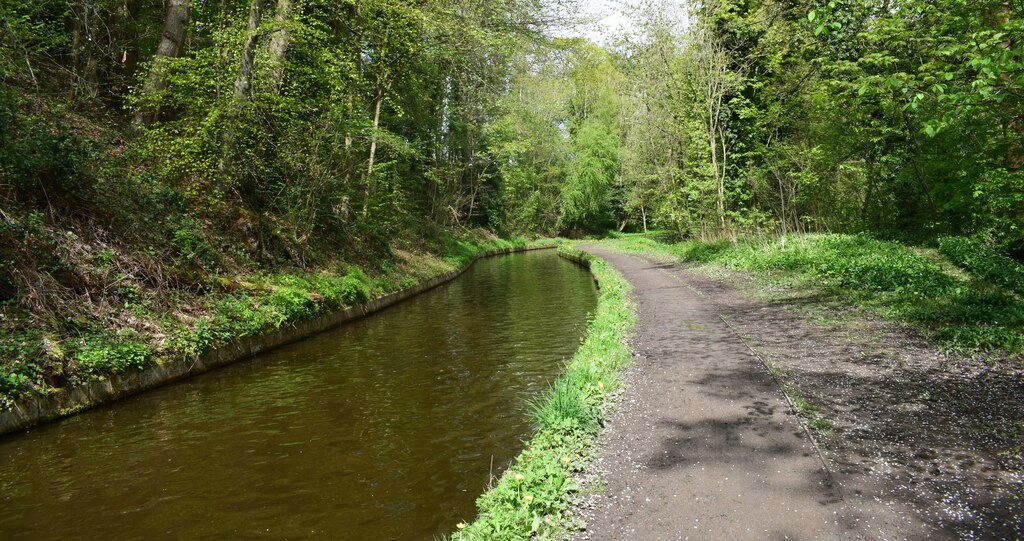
column 172, row 42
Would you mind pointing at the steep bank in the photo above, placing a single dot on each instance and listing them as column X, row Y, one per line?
column 220, row 323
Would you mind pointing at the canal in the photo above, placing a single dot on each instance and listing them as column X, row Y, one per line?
column 386, row 428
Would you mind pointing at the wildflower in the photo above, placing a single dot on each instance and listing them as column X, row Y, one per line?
column 528, row 498
column 519, row 477
column 565, row 460
column 461, row 525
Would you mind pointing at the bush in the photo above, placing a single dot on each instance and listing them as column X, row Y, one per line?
column 189, row 240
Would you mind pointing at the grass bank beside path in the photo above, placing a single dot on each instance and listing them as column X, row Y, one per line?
column 531, row 499
column 135, row 325
column 967, row 298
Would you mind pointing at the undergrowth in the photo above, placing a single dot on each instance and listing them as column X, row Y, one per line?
column 888, row 278
column 984, row 262
column 532, row 498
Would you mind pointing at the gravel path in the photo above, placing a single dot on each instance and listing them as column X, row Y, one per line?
column 704, row 444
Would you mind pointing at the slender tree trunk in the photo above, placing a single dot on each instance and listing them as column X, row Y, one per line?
column 172, row 42
column 242, row 88
column 378, row 100
column 243, row 82
column 83, row 51
column 782, row 201
column 355, row 42
column 128, row 39
column 713, row 132
column 279, row 44
column 721, row 176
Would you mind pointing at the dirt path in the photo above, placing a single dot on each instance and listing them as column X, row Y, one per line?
column 705, row 444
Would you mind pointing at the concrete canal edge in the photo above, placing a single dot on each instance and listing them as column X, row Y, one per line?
column 67, row 402
column 582, row 261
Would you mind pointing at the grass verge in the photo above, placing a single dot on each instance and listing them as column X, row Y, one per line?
column 964, row 313
column 531, row 499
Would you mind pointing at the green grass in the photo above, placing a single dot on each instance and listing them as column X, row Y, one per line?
column 531, row 500
column 984, row 262
column 812, row 416
column 965, row 314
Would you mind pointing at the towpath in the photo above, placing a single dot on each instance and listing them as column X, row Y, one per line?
column 705, row 445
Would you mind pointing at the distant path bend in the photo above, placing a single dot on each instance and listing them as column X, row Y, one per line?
column 706, row 445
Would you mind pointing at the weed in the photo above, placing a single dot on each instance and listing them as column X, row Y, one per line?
column 101, row 355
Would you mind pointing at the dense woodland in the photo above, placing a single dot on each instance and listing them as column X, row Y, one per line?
column 153, row 152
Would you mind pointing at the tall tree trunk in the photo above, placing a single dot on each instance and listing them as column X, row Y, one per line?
column 378, row 100
column 279, row 44
column 83, row 50
column 355, row 42
column 243, row 81
column 242, row 87
column 171, row 44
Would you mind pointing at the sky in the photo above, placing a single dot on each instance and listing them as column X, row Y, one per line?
column 610, row 19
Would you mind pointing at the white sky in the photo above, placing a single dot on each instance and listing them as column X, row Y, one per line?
column 610, row 19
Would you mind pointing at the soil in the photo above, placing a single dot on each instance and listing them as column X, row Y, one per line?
column 910, row 443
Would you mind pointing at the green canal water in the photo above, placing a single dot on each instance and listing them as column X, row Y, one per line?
column 386, row 428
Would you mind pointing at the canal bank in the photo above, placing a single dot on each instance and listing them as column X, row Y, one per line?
column 385, row 428
column 32, row 411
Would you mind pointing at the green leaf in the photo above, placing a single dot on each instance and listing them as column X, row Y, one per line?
column 819, row 29
column 811, row 16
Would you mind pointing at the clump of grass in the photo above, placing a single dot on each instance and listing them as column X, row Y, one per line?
column 883, row 276
column 812, row 416
column 532, row 498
